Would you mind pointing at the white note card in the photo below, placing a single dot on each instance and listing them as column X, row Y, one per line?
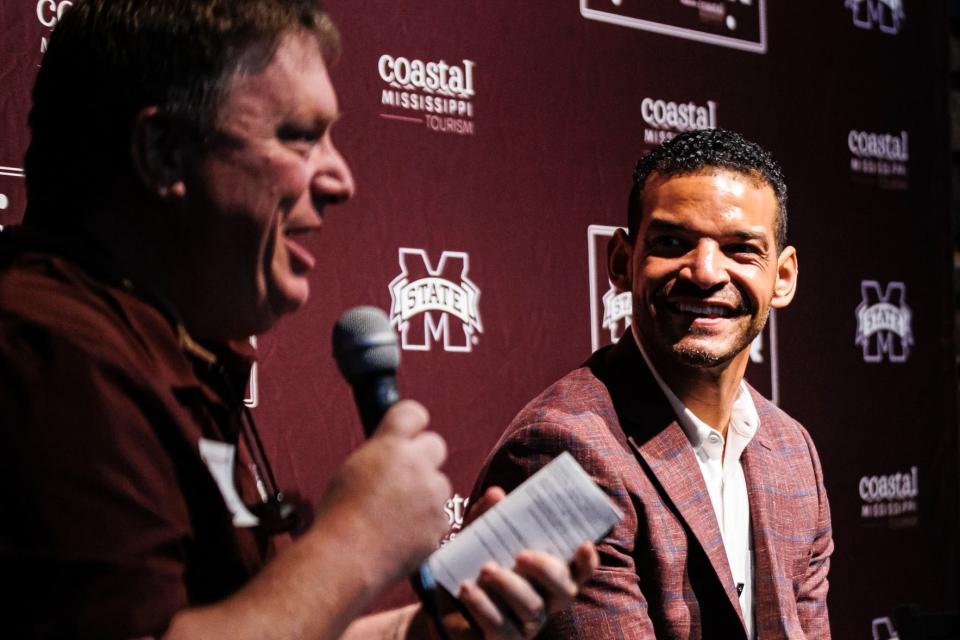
column 555, row 510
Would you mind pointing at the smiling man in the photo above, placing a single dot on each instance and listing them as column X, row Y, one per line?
column 727, row 529
column 180, row 158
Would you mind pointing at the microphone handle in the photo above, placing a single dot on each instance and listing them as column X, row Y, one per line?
column 374, row 394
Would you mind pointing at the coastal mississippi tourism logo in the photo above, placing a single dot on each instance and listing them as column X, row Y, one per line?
column 49, row 13
column 886, row 16
column 890, row 497
column 435, row 304
column 880, row 159
column 434, row 94
column 665, row 118
column 884, row 322
column 611, row 313
column 737, row 24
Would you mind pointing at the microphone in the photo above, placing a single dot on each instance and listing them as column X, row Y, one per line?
column 367, row 353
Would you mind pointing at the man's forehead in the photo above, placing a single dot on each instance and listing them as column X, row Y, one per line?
column 293, row 80
column 752, row 177
column 727, row 193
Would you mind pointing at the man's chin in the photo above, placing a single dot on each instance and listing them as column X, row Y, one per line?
column 700, row 358
column 288, row 295
column 279, row 302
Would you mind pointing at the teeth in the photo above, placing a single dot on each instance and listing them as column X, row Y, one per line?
column 703, row 309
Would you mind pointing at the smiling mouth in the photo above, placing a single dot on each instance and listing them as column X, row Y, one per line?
column 705, row 310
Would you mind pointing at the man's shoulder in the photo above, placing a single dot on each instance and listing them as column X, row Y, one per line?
column 48, row 303
column 783, row 432
column 577, row 393
column 580, row 409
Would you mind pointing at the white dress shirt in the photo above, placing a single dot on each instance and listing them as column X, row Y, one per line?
column 726, row 484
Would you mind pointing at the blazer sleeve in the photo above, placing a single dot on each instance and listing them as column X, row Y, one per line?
column 812, row 594
column 612, row 604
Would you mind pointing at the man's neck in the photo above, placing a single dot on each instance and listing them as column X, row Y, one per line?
column 709, row 392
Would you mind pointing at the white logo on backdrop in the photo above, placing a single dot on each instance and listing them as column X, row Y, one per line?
column 455, row 508
column 884, row 322
column 617, row 312
column 885, row 15
column 737, row 24
column 49, row 13
column 436, row 94
column 889, row 495
column 252, row 399
column 424, row 298
column 881, row 158
column 665, row 118
column 883, row 629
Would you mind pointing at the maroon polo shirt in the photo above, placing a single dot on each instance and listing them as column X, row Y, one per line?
column 110, row 521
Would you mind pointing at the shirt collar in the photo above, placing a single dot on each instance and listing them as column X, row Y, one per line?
column 744, row 419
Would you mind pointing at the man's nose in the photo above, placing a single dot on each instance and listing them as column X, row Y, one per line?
column 332, row 179
column 705, row 265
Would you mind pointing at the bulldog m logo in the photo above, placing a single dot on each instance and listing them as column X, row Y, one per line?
column 884, row 322
column 886, row 15
column 437, row 294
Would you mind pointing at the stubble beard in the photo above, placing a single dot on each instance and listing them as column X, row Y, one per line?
column 699, row 357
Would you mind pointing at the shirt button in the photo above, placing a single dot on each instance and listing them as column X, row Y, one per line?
column 714, row 438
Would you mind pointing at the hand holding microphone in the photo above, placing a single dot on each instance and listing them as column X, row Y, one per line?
column 399, row 465
column 395, row 477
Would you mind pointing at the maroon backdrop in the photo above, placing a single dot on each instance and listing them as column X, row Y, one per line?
column 493, row 146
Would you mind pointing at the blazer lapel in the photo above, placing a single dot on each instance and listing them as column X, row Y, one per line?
column 759, row 468
column 652, row 430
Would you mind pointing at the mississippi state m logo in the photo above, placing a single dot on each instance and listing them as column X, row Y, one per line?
column 884, row 322
column 886, row 15
column 435, row 304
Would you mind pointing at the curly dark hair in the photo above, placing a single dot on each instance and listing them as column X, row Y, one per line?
column 108, row 59
column 694, row 151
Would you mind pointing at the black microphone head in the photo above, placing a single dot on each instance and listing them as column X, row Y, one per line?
column 364, row 343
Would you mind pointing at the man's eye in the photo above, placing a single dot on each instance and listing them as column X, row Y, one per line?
column 298, row 135
column 742, row 248
column 664, row 242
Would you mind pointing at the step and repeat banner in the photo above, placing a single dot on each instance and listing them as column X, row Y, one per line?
column 493, row 146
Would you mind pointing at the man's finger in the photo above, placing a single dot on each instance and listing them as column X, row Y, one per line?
column 406, row 418
column 585, row 562
column 485, row 613
column 550, row 576
column 525, row 606
column 490, row 497
column 430, row 448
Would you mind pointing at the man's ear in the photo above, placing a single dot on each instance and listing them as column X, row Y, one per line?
column 786, row 285
column 619, row 254
column 157, row 154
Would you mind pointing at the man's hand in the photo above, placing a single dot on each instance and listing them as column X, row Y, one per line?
column 390, row 493
column 514, row 603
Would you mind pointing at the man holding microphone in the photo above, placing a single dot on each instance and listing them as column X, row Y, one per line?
column 180, row 154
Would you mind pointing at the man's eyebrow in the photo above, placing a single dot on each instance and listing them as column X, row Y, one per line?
column 664, row 225
column 314, row 119
column 676, row 227
column 751, row 235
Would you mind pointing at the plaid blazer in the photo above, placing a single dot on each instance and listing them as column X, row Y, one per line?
column 663, row 569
